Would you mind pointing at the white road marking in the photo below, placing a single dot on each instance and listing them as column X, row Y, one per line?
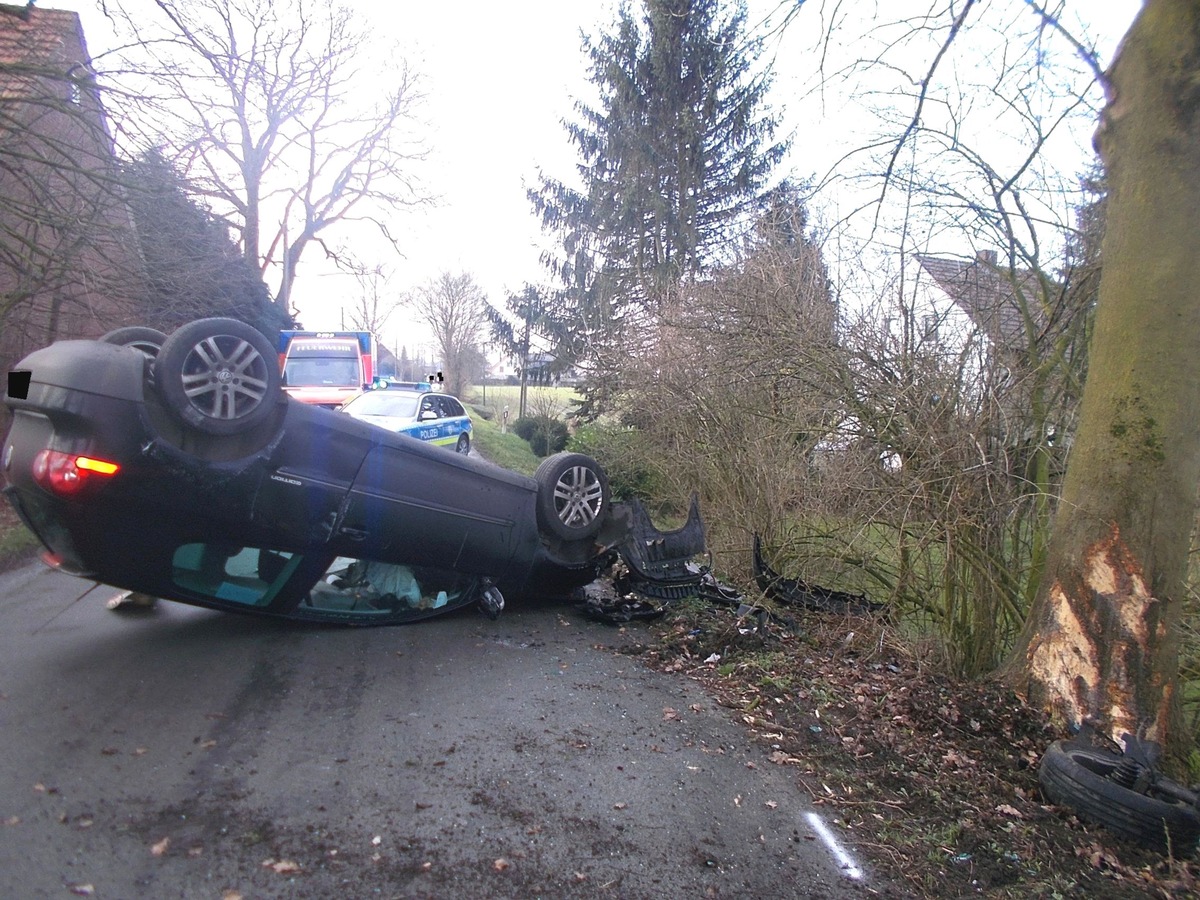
column 850, row 868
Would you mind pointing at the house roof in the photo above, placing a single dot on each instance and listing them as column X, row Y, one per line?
column 989, row 294
column 36, row 44
column 31, row 35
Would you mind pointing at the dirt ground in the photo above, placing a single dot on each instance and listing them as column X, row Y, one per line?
column 937, row 780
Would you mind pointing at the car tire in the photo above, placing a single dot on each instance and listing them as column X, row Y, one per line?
column 219, row 376
column 1079, row 776
column 148, row 340
column 464, row 445
column 573, row 495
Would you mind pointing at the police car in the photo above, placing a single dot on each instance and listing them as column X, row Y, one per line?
column 416, row 411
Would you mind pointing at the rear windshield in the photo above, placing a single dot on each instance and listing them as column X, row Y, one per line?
column 385, row 403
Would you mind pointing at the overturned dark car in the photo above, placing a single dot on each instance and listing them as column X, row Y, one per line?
column 177, row 467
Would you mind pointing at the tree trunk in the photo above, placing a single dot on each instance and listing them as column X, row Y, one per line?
column 1101, row 640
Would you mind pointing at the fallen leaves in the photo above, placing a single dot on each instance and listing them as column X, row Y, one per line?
column 281, row 866
column 877, row 730
column 782, row 759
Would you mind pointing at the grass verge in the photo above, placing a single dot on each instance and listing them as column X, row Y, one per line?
column 503, row 448
column 17, row 543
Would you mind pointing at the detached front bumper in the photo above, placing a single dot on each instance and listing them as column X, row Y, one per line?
column 662, row 563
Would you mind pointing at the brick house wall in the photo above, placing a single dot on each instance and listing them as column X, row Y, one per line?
column 69, row 260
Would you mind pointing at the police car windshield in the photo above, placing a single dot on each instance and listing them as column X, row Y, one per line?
column 385, row 403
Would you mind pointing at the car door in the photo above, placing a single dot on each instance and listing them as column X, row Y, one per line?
column 416, row 503
column 455, row 420
column 429, row 415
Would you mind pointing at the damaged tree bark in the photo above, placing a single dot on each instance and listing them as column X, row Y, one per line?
column 1100, row 642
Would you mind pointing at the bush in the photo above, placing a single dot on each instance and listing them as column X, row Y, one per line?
column 545, row 434
column 626, row 456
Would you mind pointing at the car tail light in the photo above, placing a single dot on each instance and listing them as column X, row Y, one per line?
column 69, row 473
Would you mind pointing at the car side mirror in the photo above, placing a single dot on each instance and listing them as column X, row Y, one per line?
column 426, row 415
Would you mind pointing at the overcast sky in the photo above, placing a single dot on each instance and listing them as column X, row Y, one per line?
column 499, row 77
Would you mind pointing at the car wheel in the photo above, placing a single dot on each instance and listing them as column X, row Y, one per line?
column 573, row 495
column 148, row 340
column 1089, row 781
column 464, row 445
column 220, row 376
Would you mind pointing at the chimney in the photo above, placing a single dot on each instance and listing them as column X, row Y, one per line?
column 987, row 257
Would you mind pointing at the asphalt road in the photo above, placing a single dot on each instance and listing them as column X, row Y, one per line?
column 185, row 753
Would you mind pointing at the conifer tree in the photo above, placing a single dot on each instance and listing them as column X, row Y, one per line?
column 674, row 154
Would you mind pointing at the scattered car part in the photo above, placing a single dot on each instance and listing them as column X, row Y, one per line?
column 491, row 601
column 714, row 591
column 661, row 563
column 752, row 618
column 603, row 601
column 623, row 611
column 794, row 592
column 1123, row 792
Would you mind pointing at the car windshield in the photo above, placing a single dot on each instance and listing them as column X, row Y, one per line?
column 318, row 372
column 385, row 403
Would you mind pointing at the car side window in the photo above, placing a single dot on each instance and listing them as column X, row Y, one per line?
column 368, row 588
column 247, row 575
column 427, row 405
column 452, row 407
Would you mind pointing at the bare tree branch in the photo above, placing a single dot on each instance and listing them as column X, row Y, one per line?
column 267, row 107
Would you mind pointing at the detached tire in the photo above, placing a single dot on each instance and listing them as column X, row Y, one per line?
column 573, row 495
column 148, row 340
column 1078, row 776
column 219, row 376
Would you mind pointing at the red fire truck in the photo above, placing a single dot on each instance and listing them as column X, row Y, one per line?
column 326, row 368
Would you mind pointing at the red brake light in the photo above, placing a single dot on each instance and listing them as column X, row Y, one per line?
column 68, row 473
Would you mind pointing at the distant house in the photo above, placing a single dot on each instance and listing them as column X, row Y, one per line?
column 1005, row 306
column 544, row 369
column 1032, row 327
column 69, row 259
